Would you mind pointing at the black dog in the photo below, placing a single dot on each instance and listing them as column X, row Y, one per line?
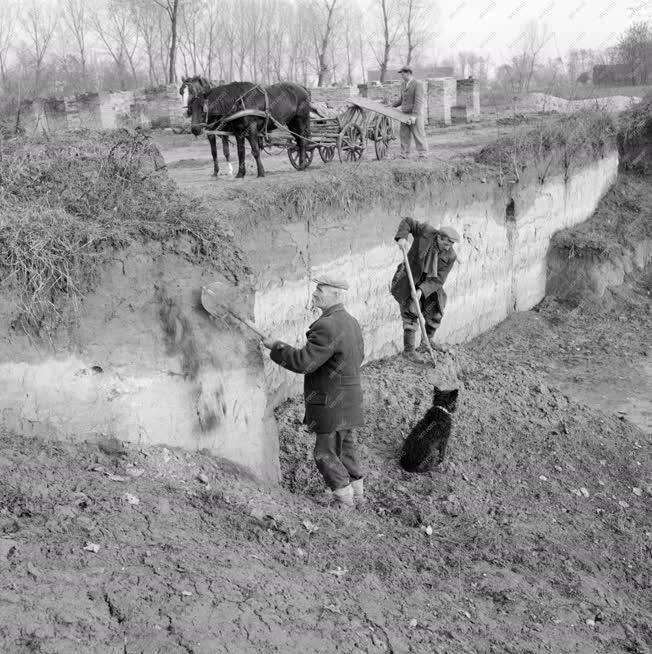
column 425, row 446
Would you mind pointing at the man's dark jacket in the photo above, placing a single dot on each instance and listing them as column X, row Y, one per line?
column 419, row 256
column 330, row 361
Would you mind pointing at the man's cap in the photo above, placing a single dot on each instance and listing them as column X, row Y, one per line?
column 450, row 233
column 335, row 282
column 405, row 69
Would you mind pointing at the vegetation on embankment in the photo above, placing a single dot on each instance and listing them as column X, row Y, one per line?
column 635, row 137
column 621, row 222
column 68, row 201
column 559, row 144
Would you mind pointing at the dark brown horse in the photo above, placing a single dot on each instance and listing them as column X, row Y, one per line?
column 284, row 103
column 194, row 90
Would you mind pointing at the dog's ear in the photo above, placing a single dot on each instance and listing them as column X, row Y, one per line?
column 453, row 394
column 436, row 389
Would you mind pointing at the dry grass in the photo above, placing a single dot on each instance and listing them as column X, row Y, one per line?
column 621, row 221
column 556, row 144
column 68, row 202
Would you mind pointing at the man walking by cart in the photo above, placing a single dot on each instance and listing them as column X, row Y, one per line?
column 431, row 257
column 412, row 102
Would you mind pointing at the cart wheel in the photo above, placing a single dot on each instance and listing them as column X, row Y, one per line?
column 293, row 156
column 326, row 152
column 350, row 143
column 383, row 134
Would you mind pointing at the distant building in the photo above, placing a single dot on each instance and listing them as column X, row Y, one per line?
column 622, row 74
column 420, row 72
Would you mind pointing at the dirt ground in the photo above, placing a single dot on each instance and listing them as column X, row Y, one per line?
column 533, row 537
column 190, row 163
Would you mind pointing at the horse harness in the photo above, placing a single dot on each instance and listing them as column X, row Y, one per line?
column 240, row 101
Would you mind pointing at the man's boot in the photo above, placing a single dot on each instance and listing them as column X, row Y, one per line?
column 344, row 497
column 409, row 338
column 358, row 491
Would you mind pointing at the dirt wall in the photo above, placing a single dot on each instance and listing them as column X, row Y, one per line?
column 506, row 231
column 145, row 364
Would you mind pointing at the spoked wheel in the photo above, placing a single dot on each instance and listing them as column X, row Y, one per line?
column 293, row 156
column 383, row 134
column 350, row 143
column 326, row 152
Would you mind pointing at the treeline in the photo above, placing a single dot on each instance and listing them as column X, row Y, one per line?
column 54, row 47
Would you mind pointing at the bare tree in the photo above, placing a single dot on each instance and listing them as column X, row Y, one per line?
column 325, row 18
column 7, row 32
column 390, row 30
column 417, row 17
column 39, row 22
column 146, row 16
column 191, row 19
column 532, row 40
column 119, row 35
column 76, row 21
column 171, row 8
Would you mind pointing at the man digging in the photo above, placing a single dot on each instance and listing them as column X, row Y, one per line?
column 330, row 361
column 431, row 257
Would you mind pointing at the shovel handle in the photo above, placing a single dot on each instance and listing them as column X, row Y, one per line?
column 248, row 323
column 413, row 291
column 212, row 310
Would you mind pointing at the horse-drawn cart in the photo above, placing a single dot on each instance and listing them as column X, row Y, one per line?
column 348, row 133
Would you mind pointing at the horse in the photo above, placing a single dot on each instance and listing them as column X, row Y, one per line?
column 284, row 103
column 193, row 90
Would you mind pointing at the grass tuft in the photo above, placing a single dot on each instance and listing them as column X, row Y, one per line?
column 68, row 202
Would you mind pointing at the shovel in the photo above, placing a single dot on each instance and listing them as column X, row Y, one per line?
column 413, row 291
column 210, row 300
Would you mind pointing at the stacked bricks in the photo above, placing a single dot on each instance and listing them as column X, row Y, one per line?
column 83, row 111
column 468, row 95
column 442, row 95
column 333, row 97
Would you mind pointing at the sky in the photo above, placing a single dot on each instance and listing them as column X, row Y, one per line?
column 493, row 27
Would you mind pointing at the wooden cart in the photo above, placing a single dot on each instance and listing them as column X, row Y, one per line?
column 348, row 133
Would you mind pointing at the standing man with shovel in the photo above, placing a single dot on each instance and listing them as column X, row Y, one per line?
column 430, row 258
column 330, row 362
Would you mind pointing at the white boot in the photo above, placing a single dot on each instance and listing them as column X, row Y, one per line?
column 357, row 487
column 344, row 496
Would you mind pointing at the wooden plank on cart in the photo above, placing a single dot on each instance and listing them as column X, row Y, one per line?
column 379, row 108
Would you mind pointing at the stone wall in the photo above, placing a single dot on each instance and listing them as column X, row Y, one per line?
column 442, row 95
column 157, row 107
column 468, row 95
column 333, row 97
column 162, row 106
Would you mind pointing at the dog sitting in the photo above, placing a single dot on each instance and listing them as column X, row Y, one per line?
column 425, row 446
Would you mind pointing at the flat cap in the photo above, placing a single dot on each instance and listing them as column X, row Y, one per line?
column 327, row 280
column 450, row 233
column 405, row 69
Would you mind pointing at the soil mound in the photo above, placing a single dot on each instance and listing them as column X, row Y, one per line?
column 70, row 201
